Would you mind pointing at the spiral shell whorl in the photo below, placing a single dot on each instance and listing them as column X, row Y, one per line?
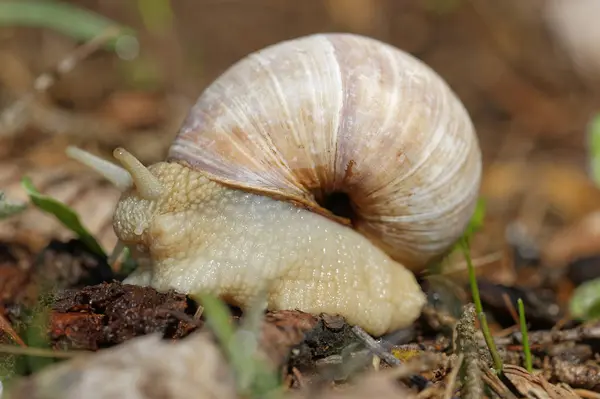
column 343, row 113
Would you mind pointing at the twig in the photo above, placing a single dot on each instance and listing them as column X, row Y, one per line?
column 198, row 313
column 10, row 117
column 451, row 379
column 584, row 393
column 67, row 64
column 179, row 315
column 298, row 377
column 510, row 307
column 374, row 347
column 492, row 381
column 387, row 357
column 546, row 337
column 7, row 327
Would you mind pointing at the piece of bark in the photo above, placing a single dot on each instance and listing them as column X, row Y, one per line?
column 111, row 313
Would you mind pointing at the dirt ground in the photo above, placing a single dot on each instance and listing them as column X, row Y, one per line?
column 70, row 329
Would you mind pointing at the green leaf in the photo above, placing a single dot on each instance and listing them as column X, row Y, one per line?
column 63, row 213
column 75, row 22
column 9, row 208
column 585, row 302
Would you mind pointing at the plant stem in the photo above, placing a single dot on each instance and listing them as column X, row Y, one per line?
column 526, row 349
column 487, row 335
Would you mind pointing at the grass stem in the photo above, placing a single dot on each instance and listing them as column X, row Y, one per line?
column 526, row 348
column 487, row 335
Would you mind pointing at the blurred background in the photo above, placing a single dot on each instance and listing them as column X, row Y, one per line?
column 527, row 71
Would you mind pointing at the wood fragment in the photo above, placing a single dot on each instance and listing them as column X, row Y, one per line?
column 376, row 348
column 585, row 376
column 510, row 307
column 451, row 378
column 546, row 337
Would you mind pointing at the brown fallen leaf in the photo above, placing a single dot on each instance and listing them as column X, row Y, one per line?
column 536, row 386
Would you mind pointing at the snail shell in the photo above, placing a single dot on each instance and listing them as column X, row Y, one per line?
column 341, row 113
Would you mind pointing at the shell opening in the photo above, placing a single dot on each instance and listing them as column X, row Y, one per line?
column 146, row 183
column 111, row 172
column 340, row 204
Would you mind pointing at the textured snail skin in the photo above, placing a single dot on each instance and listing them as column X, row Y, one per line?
column 203, row 236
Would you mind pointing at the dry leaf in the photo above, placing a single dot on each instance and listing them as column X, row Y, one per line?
column 535, row 386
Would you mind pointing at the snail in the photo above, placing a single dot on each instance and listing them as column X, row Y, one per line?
column 242, row 204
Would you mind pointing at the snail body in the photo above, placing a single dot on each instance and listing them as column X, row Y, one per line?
column 239, row 206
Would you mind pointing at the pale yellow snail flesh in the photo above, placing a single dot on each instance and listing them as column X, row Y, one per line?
column 235, row 209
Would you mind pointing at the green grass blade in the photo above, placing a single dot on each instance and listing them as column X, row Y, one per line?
column 75, row 22
column 526, row 348
column 64, row 214
column 254, row 377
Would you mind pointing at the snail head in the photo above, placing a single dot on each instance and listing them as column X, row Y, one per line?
column 142, row 190
column 153, row 198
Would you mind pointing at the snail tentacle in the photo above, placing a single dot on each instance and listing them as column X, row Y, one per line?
column 145, row 182
column 111, row 172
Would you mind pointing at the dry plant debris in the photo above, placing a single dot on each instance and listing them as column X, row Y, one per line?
column 145, row 367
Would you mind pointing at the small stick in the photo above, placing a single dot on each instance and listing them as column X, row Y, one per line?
column 492, row 381
column 67, row 64
column 13, row 114
column 510, row 307
column 387, row 357
column 199, row 312
column 374, row 347
column 298, row 377
column 553, row 336
column 452, row 377
column 584, row 393
column 7, row 327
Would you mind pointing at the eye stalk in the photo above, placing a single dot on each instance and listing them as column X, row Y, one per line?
column 111, row 172
column 146, row 183
column 132, row 172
